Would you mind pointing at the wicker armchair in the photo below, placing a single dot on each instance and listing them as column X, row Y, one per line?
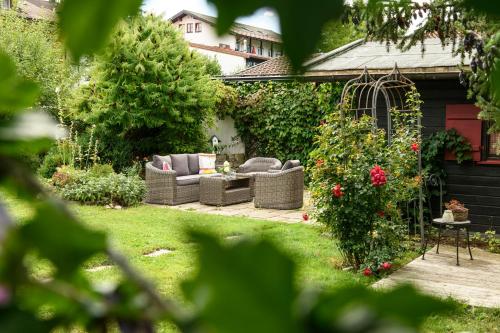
column 162, row 188
column 280, row 190
column 258, row 164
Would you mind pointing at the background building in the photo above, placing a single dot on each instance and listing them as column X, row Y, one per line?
column 244, row 46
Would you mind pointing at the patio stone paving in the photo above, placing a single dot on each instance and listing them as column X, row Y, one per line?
column 475, row 282
column 245, row 210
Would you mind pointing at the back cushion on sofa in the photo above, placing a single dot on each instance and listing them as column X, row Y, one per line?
column 207, row 163
column 180, row 164
column 158, row 161
column 290, row 164
column 194, row 164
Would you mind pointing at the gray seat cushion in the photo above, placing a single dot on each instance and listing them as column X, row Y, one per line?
column 158, row 161
column 193, row 164
column 290, row 164
column 187, row 180
column 180, row 164
column 192, row 179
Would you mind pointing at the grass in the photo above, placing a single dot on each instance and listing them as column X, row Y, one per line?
column 140, row 230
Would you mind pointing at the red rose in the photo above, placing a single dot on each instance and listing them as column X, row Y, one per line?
column 386, row 266
column 414, row 147
column 378, row 176
column 305, row 216
column 337, row 191
column 319, row 163
column 367, row 271
column 381, row 213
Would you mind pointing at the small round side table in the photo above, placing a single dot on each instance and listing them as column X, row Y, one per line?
column 455, row 225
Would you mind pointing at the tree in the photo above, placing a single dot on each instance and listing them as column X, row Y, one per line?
column 38, row 56
column 150, row 91
column 336, row 34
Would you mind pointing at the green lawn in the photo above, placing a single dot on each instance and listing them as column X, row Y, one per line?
column 140, row 230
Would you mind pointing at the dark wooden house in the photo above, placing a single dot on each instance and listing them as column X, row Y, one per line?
column 435, row 73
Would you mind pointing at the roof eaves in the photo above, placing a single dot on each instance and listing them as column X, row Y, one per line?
column 334, row 52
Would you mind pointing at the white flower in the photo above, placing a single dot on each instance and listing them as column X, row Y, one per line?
column 227, row 164
column 227, row 169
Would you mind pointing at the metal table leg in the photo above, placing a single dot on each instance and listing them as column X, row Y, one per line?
column 426, row 241
column 468, row 243
column 439, row 238
column 456, row 242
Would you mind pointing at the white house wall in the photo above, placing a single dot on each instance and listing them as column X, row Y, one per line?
column 229, row 63
column 207, row 36
column 224, row 129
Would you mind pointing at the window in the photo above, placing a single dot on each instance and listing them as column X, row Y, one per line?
column 197, row 27
column 260, row 49
column 189, row 28
column 493, row 148
column 463, row 118
column 5, row 4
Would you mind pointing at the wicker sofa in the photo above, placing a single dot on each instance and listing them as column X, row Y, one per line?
column 258, row 164
column 179, row 185
column 280, row 189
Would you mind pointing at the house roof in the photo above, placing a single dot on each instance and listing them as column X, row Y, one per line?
column 272, row 67
column 351, row 59
column 237, row 28
column 37, row 9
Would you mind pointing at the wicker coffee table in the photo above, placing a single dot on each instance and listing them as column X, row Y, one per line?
column 222, row 191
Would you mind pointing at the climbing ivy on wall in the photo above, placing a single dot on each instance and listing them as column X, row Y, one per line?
column 281, row 119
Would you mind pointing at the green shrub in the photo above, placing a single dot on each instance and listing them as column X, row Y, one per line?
column 66, row 175
column 38, row 54
column 359, row 183
column 148, row 93
column 114, row 188
column 52, row 160
column 281, row 119
column 99, row 170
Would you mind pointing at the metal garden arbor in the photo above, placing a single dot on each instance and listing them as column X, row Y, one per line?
column 376, row 98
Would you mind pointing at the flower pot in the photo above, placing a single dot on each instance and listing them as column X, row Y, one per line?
column 460, row 215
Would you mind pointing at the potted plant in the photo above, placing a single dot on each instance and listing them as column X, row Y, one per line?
column 460, row 213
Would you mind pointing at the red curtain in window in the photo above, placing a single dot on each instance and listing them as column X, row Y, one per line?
column 463, row 118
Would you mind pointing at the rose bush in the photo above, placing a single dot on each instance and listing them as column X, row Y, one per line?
column 359, row 183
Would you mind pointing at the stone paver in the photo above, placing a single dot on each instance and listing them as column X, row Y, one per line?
column 475, row 282
column 247, row 209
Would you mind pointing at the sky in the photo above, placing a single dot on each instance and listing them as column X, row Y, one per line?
column 264, row 18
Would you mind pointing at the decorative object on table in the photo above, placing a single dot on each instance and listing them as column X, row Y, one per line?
column 226, row 170
column 207, row 163
column 460, row 213
column 448, row 216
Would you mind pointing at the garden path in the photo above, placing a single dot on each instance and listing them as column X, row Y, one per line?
column 245, row 209
column 475, row 282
